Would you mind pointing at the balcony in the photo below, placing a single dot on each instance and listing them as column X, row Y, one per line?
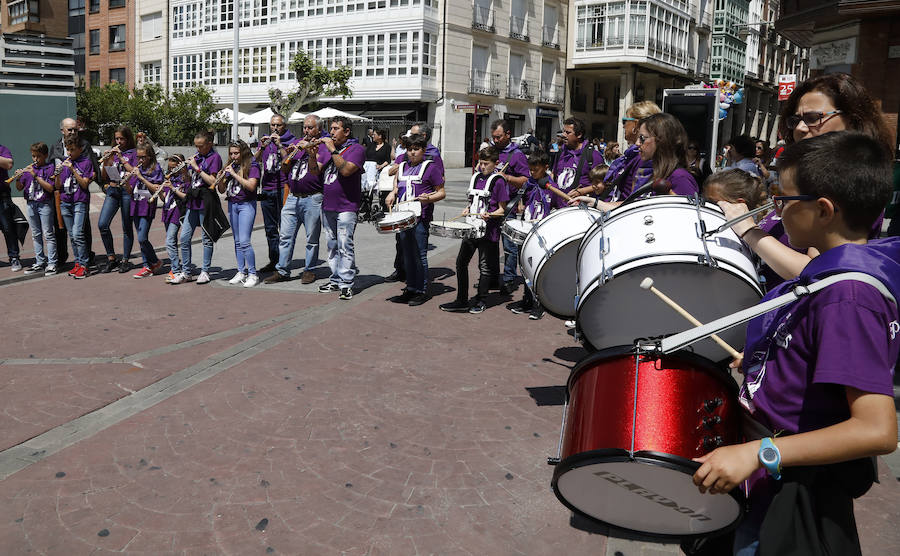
column 484, row 83
column 518, row 28
column 522, row 89
column 551, row 94
column 483, row 19
column 24, row 11
column 550, row 36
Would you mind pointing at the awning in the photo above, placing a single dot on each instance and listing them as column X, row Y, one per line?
column 387, row 114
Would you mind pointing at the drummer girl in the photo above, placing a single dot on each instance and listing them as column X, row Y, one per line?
column 421, row 181
column 490, row 196
column 535, row 205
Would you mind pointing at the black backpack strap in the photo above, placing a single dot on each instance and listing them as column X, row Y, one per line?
column 586, row 152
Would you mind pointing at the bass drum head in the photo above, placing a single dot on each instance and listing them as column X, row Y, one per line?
column 555, row 283
column 651, row 494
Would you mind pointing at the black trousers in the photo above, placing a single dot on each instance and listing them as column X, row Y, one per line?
column 488, row 266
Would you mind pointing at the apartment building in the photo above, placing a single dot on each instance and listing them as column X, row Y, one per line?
column 151, row 44
column 110, row 34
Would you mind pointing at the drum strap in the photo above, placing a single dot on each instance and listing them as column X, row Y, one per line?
column 587, row 157
column 409, row 181
column 688, row 337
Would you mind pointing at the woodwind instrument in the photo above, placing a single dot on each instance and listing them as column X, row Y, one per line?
column 18, row 173
column 220, row 177
column 166, row 178
column 267, row 139
column 109, row 153
column 59, row 167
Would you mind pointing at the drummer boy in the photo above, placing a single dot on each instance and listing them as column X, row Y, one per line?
column 535, row 204
column 488, row 246
column 818, row 371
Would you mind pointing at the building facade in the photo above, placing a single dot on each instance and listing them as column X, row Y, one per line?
column 151, row 44
column 109, row 41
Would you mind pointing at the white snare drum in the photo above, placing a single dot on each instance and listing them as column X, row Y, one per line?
column 548, row 257
column 660, row 238
column 456, row 230
column 517, row 230
column 396, row 221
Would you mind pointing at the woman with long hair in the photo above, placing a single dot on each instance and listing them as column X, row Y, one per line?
column 239, row 180
column 147, row 178
column 122, row 158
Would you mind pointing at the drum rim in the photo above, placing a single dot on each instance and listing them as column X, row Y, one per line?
column 668, row 461
column 455, row 226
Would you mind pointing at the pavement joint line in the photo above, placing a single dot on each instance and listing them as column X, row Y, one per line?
column 33, row 450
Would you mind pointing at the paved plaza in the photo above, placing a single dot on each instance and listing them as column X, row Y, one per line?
column 144, row 418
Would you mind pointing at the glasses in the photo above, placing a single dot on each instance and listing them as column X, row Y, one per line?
column 626, row 119
column 643, row 138
column 779, row 200
column 811, row 119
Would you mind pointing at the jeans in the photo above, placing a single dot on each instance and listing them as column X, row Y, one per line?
column 339, row 229
column 192, row 221
column 414, row 245
column 242, row 216
column 172, row 246
column 270, row 205
column 142, row 223
column 510, row 261
column 8, row 227
column 43, row 232
column 73, row 215
column 116, row 198
column 308, row 210
column 488, row 266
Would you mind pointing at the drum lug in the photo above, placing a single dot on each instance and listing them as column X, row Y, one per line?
column 711, row 442
column 552, row 461
column 607, row 275
column 703, row 259
column 649, row 238
column 648, row 220
column 710, row 405
column 710, row 422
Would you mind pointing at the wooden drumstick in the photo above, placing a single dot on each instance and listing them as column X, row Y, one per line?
column 557, row 191
column 647, row 284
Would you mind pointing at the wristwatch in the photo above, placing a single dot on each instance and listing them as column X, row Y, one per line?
column 770, row 457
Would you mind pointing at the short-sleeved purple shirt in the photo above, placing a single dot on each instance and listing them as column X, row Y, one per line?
column 518, row 164
column 432, row 153
column 538, row 199
column 272, row 175
column 31, row 189
column 4, row 173
column 236, row 192
column 119, row 160
column 343, row 193
column 567, row 165
column 140, row 195
column 210, row 163
column 71, row 191
column 300, row 179
column 428, row 182
column 171, row 214
column 499, row 194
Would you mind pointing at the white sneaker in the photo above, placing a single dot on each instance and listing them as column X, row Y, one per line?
column 570, row 324
column 251, row 281
column 188, row 277
column 16, row 265
column 36, row 267
column 203, row 278
column 238, row 278
column 179, row 278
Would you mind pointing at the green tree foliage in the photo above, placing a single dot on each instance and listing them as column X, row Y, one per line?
column 167, row 118
column 314, row 81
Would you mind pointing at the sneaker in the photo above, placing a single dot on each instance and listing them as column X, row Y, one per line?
column 536, row 313
column 178, row 279
column 405, row 297
column 109, row 266
column 188, row 277
column 569, row 324
column 238, row 278
column 308, row 277
column 395, row 277
column 51, row 270
column 36, row 267
column 419, row 299
column 74, row 269
column 124, row 267
column 15, row 265
column 477, row 307
column 169, row 277
column 519, row 307
column 154, row 268
column 203, row 278
column 277, row 277
column 455, row 307
column 143, row 273
column 329, row 287
column 268, row 268
column 251, row 281
column 346, row 294
column 81, row 273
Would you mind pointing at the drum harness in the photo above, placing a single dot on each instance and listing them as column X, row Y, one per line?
column 409, row 183
column 480, row 198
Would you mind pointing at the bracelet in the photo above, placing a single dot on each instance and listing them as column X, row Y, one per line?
column 748, row 230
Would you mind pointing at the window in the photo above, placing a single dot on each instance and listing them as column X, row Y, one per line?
column 186, row 70
column 116, row 4
column 375, row 56
column 397, row 51
column 94, row 42
column 95, row 6
column 355, row 55
column 117, row 75
column 151, row 72
column 429, row 54
column 186, row 19
column 151, row 26
column 78, row 43
column 21, row 11
column 76, row 7
column 95, row 79
column 116, row 38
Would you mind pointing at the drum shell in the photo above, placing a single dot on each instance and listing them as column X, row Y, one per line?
column 516, row 230
column 396, row 222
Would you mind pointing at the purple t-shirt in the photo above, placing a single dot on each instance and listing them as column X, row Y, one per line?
column 236, row 192
column 71, row 191
column 31, row 189
column 119, row 160
column 300, row 179
column 342, row 193
column 428, row 182
column 4, row 173
column 499, row 194
column 432, row 153
column 211, row 163
column 273, row 177
column 518, row 164
column 538, row 199
column 567, row 165
column 140, row 194
column 171, row 214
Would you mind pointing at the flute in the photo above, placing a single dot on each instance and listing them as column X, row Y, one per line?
column 19, row 172
column 220, row 177
column 59, row 167
column 109, row 153
column 265, row 140
column 166, row 179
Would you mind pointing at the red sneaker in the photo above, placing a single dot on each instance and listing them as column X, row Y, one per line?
column 74, row 269
column 143, row 273
column 81, row 272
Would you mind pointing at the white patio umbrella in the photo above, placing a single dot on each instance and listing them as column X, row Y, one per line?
column 328, row 113
column 261, row 117
column 296, row 118
column 225, row 114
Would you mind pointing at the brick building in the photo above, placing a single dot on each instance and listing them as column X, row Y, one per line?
column 110, row 36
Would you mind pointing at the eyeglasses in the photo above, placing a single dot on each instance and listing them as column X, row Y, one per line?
column 643, row 138
column 626, row 119
column 811, row 119
column 779, row 200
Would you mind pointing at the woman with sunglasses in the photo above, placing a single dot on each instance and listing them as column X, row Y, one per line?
column 622, row 168
column 820, row 105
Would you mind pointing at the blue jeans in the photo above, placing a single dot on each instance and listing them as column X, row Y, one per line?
column 172, row 246
column 510, row 260
column 43, row 232
column 339, row 229
column 309, row 211
column 116, row 198
column 242, row 216
column 414, row 246
column 142, row 223
column 192, row 221
column 73, row 215
column 8, row 227
column 270, row 205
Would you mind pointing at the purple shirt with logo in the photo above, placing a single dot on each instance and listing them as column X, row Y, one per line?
column 343, row 193
column 140, row 195
column 210, row 163
column 538, row 200
column 429, row 182
column 236, row 192
column 499, row 194
column 171, row 214
column 300, row 179
column 432, row 153
column 31, row 189
column 567, row 165
column 119, row 160
column 273, row 177
column 518, row 164
column 4, row 173
column 71, row 191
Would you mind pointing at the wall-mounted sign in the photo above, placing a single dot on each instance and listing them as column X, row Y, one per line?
column 832, row 53
column 786, row 84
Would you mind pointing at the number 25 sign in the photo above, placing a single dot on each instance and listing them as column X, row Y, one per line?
column 786, row 84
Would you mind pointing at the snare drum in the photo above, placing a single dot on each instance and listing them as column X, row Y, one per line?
column 456, row 230
column 396, row 221
column 633, row 423
column 660, row 238
column 516, row 230
column 548, row 257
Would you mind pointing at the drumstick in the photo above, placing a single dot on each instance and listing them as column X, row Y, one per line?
column 647, row 284
column 557, row 191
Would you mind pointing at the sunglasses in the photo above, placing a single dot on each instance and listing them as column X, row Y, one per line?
column 780, row 200
column 643, row 138
column 811, row 119
column 626, row 119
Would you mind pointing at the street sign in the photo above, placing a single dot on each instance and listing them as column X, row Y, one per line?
column 786, row 84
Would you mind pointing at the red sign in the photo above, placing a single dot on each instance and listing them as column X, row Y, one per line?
column 786, row 84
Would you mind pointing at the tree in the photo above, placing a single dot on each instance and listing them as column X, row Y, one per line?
column 314, row 81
